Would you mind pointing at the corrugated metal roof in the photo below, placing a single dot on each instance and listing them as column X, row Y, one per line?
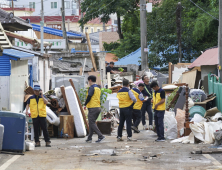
column 15, row 54
column 132, row 58
column 5, row 66
column 53, row 31
column 209, row 57
column 28, row 51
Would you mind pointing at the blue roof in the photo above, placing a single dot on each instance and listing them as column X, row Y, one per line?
column 53, row 31
column 17, row 55
column 132, row 58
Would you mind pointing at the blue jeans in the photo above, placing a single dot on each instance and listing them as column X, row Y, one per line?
column 147, row 107
column 125, row 115
column 159, row 116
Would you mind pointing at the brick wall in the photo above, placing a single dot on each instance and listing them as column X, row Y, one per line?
column 107, row 37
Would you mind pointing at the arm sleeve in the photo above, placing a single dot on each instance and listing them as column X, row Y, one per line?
column 131, row 95
column 162, row 94
column 28, row 101
column 90, row 94
column 141, row 96
column 88, row 99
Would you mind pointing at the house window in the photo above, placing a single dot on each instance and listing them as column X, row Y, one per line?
column 32, row 5
column 67, row 5
column 53, row 5
column 98, row 29
column 92, row 30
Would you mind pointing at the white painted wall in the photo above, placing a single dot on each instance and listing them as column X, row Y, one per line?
column 19, row 74
column 48, row 11
column 47, row 72
column 178, row 70
column 4, row 93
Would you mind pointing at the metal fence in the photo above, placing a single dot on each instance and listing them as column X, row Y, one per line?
column 214, row 86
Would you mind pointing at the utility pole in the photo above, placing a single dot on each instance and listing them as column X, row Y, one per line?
column 220, row 37
column 13, row 7
column 104, row 26
column 143, row 29
column 42, row 26
column 64, row 25
column 179, row 27
column 80, row 12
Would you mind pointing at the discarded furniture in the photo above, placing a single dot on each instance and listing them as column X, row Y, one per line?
column 66, row 128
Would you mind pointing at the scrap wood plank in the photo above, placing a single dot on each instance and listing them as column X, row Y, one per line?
column 82, row 111
column 65, row 99
column 90, row 51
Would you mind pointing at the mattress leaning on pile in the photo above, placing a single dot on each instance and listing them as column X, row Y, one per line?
column 75, row 111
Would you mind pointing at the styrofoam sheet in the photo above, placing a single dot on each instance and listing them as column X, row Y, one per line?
column 75, row 111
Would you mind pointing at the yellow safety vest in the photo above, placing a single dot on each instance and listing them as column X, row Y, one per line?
column 157, row 99
column 95, row 99
column 138, row 105
column 37, row 109
column 124, row 98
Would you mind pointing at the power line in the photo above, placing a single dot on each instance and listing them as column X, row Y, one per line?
column 204, row 10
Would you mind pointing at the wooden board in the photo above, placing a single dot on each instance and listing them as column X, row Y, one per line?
column 80, row 71
column 67, row 125
column 109, row 80
column 82, row 111
column 64, row 97
column 90, row 51
column 98, row 77
column 190, row 78
column 170, row 73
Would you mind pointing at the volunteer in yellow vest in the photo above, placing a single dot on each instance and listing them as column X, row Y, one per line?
column 137, row 106
column 37, row 104
column 126, row 101
column 159, row 110
column 94, row 108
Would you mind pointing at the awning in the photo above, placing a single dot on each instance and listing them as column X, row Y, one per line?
column 17, row 55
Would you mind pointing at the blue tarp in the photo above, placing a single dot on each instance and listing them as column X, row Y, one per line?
column 132, row 58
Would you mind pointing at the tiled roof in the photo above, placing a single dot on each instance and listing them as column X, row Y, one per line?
column 55, row 31
column 15, row 23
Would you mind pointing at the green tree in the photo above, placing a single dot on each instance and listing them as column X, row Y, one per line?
column 104, row 8
column 199, row 31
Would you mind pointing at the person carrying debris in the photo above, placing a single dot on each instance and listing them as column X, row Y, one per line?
column 94, row 107
column 110, row 67
column 137, row 106
column 37, row 104
column 147, row 106
column 159, row 109
column 126, row 101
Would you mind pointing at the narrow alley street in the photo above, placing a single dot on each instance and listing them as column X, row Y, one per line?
column 143, row 154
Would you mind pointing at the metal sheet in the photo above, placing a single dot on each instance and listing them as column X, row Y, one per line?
column 4, row 93
column 59, row 80
column 17, row 84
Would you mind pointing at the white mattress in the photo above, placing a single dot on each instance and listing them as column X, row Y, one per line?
column 75, row 111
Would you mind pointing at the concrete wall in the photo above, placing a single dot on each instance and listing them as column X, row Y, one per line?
column 205, row 70
column 19, row 74
column 107, row 37
column 78, row 46
column 44, row 74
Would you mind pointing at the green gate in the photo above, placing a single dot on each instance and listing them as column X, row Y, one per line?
column 215, row 87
